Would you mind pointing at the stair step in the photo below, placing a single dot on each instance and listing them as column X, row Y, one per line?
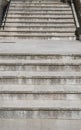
column 39, row 78
column 40, row 29
column 16, row 29
column 40, row 20
column 69, row 59
column 40, row 16
column 56, row 36
column 40, row 105
column 14, row 38
column 41, row 114
column 40, row 6
column 40, row 12
column 39, row 9
column 38, row 25
column 23, row 109
column 39, row 61
column 39, row 67
column 38, row 49
column 38, row 92
column 46, row 75
column 40, row 89
column 37, row 34
column 34, row 0
column 38, row 3
column 43, row 124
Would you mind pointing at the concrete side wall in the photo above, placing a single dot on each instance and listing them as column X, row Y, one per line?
column 3, row 4
column 0, row 10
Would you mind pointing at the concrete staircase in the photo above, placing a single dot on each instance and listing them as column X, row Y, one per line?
column 39, row 19
column 39, row 79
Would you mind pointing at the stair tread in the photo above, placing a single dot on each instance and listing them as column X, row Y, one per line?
column 40, row 89
column 39, row 5
column 34, row 25
column 40, row 13
column 40, row 47
column 40, row 29
column 37, row 34
column 40, row 16
column 32, row 124
column 40, row 62
column 40, row 105
column 47, row 75
column 43, row 19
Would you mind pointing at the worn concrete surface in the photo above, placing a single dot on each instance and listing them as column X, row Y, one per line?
column 40, row 124
column 40, row 47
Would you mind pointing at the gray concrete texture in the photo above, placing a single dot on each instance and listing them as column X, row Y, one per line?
column 46, row 47
column 40, row 124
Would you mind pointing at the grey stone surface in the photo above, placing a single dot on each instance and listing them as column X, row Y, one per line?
column 40, row 124
column 40, row 47
column 43, row 20
column 41, row 89
column 40, row 92
column 40, row 105
column 39, row 75
column 41, row 62
column 42, row 114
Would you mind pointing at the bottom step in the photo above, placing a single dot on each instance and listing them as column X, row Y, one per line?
column 25, row 109
column 8, row 38
column 40, row 124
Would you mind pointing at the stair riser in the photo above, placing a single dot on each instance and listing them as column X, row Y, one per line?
column 40, row 6
column 37, row 4
column 40, row 12
column 41, row 29
column 36, row 20
column 38, row 9
column 34, row 1
column 40, row 81
column 40, row 96
column 36, row 38
column 39, row 68
column 40, row 114
column 40, row 24
column 64, row 58
column 36, row 34
column 47, row 32
column 40, row 16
